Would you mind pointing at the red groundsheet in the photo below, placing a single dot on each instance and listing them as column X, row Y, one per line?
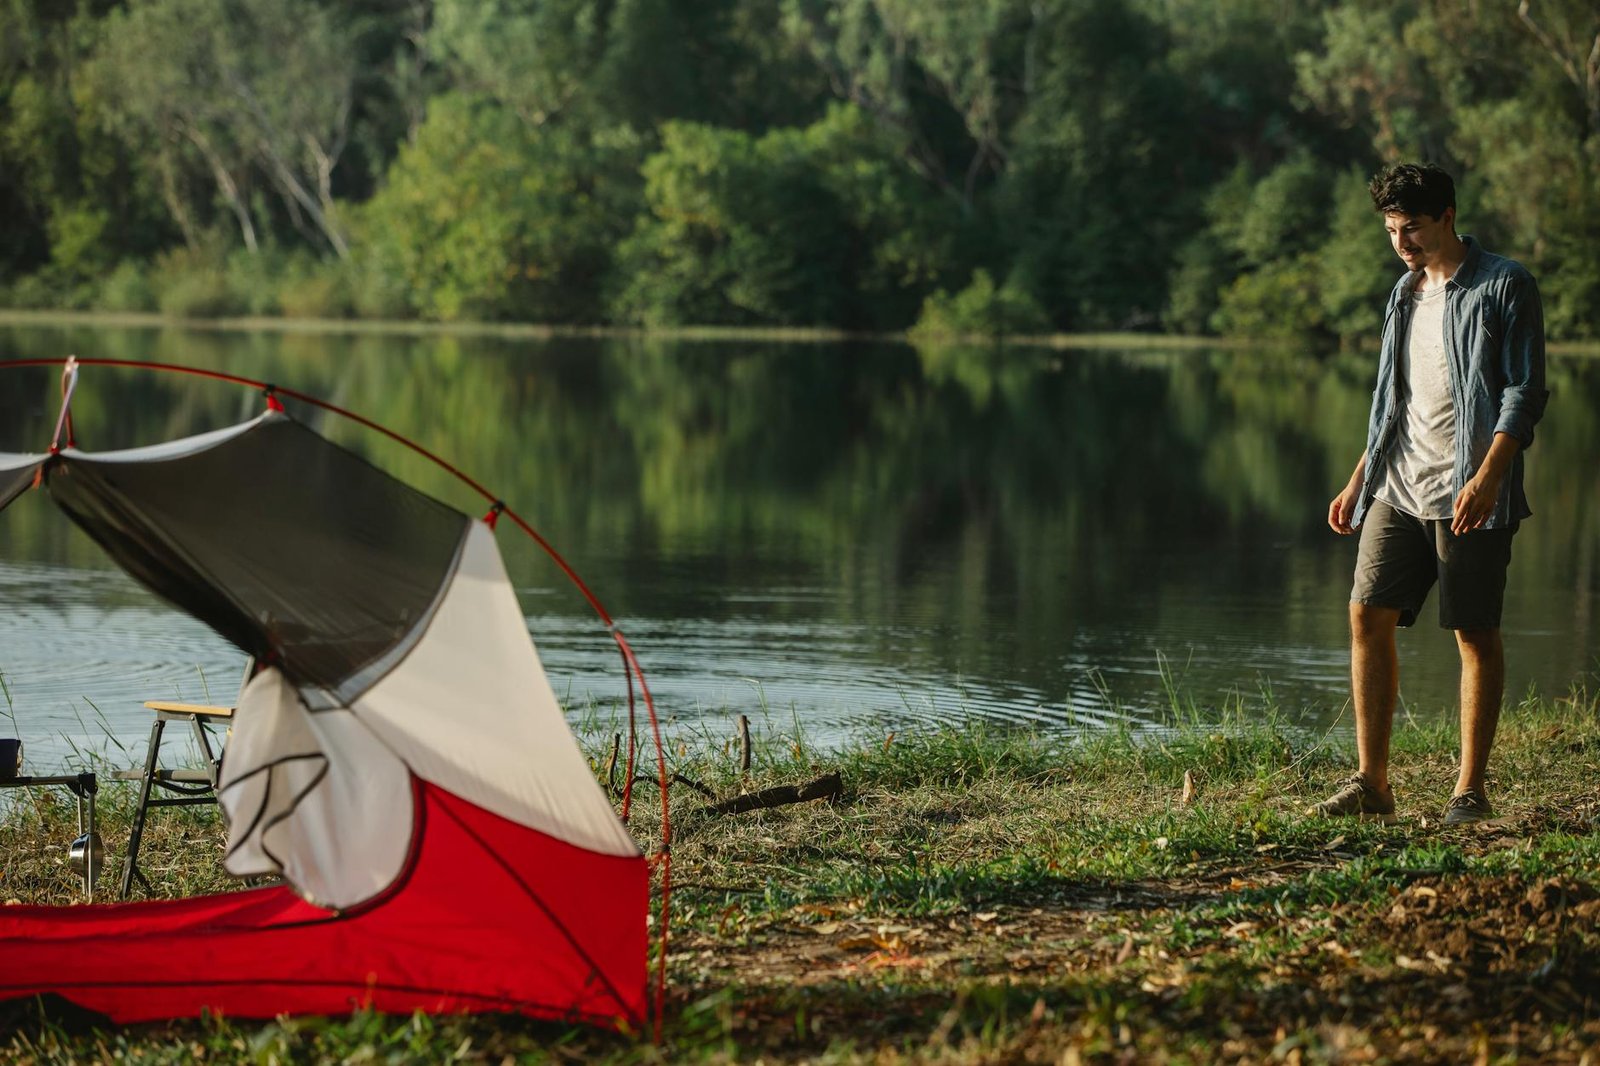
column 488, row 916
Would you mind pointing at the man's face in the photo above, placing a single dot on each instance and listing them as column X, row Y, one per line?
column 1418, row 239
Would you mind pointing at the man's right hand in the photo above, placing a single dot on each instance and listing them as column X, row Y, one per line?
column 1343, row 508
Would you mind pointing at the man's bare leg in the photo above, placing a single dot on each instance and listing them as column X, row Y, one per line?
column 1483, row 682
column 1374, row 687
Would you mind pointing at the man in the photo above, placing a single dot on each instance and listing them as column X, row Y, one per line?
column 1438, row 492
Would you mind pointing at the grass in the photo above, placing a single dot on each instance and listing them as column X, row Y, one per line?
column 990, row 895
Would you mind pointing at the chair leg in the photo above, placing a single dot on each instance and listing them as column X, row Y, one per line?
column 130, row 867
column 203, row 741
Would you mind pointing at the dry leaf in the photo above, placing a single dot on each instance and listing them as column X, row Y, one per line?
column 1189, row 791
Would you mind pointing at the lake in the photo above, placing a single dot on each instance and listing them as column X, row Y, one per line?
column 851, row 538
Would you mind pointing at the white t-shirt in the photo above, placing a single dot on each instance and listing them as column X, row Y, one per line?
column 1420, row 479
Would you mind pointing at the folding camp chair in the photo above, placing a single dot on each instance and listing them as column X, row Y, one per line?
column 178, row 787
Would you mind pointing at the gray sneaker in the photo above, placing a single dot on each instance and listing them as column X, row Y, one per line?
column 1469, row 807
column 1358, row 799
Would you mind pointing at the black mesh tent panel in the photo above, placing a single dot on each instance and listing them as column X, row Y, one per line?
column 301, row 553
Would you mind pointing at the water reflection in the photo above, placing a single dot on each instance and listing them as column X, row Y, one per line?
column 863, row 536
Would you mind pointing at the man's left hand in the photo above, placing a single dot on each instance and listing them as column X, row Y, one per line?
column 1475, row 503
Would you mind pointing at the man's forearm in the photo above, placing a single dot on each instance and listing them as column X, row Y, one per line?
column 1497, row 461
column 1359, row 472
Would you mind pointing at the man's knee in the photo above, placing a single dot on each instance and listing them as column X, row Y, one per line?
column 1372, row 623
column 1480, row 644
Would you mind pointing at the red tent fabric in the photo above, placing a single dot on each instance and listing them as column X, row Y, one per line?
column 475, row 923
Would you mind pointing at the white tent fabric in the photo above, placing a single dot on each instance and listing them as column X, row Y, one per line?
column 175, row 449
column 495, row 736
column 303, row 787
column 315, row 798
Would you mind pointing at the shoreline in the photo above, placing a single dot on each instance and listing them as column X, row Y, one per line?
column 699, row 334
column 538, row 331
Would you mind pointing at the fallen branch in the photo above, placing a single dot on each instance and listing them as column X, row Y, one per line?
column 825, row 787
column 697, row 786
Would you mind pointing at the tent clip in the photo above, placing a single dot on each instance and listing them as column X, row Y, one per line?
column 496, row 509
column 270, row 391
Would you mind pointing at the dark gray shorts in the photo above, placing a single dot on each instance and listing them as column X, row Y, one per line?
column 1401, row 557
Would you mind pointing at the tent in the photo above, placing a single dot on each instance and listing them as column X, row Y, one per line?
column 399, row 758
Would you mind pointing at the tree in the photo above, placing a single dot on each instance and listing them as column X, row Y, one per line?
column 1355, row 76
column 484, row 217
column 534, row 56
column 250, row 90
column 632, row 62
column 1093, row 199
column 940, row 76
column 722, row 240
column 813, row 226
column 1568, row 31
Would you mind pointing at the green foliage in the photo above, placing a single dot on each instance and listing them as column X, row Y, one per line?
column 128, row 288
column 715, row 244
column 1298, row 268
column 803, row 227
column 1277, row 300
column 980, row 310
column 193, row 283
column 316, row 289
column 250, row 98
column 1287, row 212
column 787, row 162
column 1352, row 279
column 1087, row 205
column 485, row 217
column 636, row 63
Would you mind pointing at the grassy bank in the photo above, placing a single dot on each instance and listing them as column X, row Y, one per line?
column 987, row 896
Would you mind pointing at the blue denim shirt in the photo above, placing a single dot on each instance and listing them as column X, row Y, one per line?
column 1494, row 342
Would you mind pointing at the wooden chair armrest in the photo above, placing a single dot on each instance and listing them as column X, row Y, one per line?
column 200, row 710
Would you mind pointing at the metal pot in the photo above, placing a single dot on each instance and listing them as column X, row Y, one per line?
column 86, row 856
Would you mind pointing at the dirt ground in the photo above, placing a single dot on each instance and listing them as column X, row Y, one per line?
column 1446, row 969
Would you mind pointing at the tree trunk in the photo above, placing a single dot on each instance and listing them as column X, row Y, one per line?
column 1583, row 70
column 174, row 202
column 283, row 175
column 225, row 182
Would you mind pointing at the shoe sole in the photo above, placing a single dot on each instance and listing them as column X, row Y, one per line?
column 1360, row 816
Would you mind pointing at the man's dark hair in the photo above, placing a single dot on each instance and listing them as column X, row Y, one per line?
column 1413, row 189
